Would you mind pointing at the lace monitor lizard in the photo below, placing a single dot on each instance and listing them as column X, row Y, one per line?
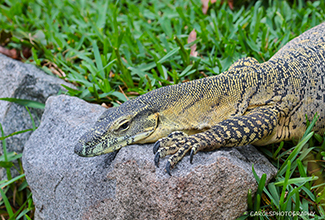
column 251, row 103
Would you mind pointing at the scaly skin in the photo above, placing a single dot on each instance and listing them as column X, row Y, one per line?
column 251, row 103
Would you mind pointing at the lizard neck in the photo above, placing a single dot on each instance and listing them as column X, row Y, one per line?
column 196, row 106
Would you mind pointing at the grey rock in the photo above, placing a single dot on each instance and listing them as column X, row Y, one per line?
column 23, row 81
column 127, row 185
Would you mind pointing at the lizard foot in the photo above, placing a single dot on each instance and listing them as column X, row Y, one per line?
column 172, row 138
column 178, row 149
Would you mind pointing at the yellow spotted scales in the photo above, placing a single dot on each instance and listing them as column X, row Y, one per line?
column 251, row 103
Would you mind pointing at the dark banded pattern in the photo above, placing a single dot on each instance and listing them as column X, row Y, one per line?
column 257, row 103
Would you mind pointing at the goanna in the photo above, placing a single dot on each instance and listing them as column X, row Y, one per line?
column 251, row 103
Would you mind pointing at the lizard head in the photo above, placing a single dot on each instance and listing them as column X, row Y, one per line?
column 117, row 127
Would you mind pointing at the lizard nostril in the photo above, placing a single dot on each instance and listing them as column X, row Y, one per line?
column 78, row 149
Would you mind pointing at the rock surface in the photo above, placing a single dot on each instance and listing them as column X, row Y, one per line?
column 127, row 185
column 23, row 81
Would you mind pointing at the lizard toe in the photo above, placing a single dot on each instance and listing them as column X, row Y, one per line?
column 178, row 156
column 191, row 156
column 179, row 147
column 157, row 157
column 194, row 150
column 156, row 147
column 168, row 168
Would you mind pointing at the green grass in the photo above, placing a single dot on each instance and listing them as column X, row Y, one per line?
column 16, row 198
column 117, row 50
column 298, row 187
column 107, row 47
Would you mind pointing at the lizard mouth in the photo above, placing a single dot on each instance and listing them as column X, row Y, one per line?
column 108, row 145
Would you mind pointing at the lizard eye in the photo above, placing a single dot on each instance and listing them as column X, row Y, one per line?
column 124, row 125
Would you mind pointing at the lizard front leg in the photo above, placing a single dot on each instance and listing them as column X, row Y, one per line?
column 174, row 137
column 237, row 131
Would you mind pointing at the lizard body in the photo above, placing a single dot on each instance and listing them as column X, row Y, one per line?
column 257, row 103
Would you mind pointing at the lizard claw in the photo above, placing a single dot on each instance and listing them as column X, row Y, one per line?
column 194, row 149
column 191, row 156
column 157, row 157
column 168, row 168
column 171, row 135
column 156, row 147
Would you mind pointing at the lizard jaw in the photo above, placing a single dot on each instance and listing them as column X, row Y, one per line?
column 108, row 145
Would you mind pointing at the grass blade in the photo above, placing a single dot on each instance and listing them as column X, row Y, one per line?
column 286, row 179
column 4, row 148
column 15, row 133
column 31, row 117
column 168, row 55
column 250, row 200
column 295, row 152
column 12, row 181
column 7, row 203
column 25, row 102
column 184, row 54
column 311, row 125
column 297, row 180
